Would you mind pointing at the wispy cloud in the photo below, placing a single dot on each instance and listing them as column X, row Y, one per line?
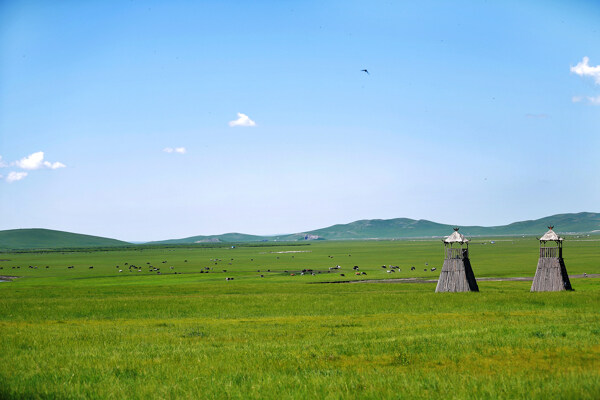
column 15, row 176
column 243, row 120
column 584, row 69
column 179, row 150
column 54, row 165
column 593, row 100
column 36, row 161
column 2, row 163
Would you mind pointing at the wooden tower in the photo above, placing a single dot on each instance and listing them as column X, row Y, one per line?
column 551, row 273
column 457, row 274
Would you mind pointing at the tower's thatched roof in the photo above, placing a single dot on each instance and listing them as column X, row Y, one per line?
column 551, row 236
column 456, row 238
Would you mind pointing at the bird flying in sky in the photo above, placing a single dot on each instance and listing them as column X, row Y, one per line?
column 364, row 70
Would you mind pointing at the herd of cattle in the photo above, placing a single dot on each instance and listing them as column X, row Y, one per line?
column 205, row 270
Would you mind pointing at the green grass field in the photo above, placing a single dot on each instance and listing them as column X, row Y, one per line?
column 100, row 333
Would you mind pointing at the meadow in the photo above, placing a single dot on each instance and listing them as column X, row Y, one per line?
column 96, row 332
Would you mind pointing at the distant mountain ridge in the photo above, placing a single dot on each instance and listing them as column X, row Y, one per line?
column 402, row 228
column 397, row 228
column 51, row 239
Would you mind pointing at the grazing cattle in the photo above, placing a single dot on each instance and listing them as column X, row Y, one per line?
column 342, row 275
column 363, row 273
column 425, row 270
column 120, row 270
column 171, row 267
column 355, row 268
column 433, row 269
column 224, row 270
column 262, row 276
column 91, row 267
column 412, row 268
column 357, row 273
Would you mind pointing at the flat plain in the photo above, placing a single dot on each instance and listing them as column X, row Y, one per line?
column 117, row 331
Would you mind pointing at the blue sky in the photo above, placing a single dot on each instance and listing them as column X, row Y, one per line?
column 479, row 113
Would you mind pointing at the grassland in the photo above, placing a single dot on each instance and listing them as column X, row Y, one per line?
column 100, row 333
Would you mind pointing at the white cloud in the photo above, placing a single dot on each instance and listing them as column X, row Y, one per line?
column 15, row 176
column 584, row 69
column 32, row 161
column 180, row 150
column 243, row 120
column 2, row 163
column 54, row 165
column 594, row 100
column 36, row 161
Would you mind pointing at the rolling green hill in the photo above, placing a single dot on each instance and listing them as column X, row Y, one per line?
column 398, row 228
column 227, row 237
column 50, row 239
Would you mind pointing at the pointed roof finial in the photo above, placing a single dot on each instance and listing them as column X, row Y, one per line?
column 551, row 227
column 455, row 229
